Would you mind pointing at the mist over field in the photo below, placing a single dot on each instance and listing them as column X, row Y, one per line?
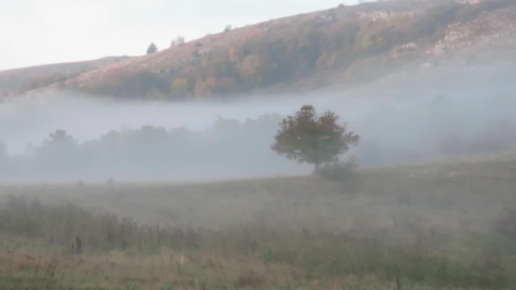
column 409, row 117
column 163, row 165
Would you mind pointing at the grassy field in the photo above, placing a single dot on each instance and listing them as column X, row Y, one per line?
column 428, row 226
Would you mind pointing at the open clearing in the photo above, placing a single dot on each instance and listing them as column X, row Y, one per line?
column 427, row 226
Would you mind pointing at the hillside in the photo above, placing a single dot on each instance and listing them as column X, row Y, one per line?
column 17, row 81
column 336, row 46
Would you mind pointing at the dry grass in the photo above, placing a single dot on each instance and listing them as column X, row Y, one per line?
column 430, row 225
column 448, row 193
column 119, row 271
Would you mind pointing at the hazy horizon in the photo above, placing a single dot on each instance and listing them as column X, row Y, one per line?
column 401, row 119
column 186, row 169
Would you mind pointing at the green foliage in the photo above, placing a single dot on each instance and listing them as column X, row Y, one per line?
column 309, row 138
column 179, row 87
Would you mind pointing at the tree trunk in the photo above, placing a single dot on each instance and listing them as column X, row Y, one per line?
column 317, row 168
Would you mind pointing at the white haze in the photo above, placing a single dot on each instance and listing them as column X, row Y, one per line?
column 399, row 118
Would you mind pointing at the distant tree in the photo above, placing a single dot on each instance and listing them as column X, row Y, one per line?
column 179, row 87
column 152, row 48
column 309, row 138
column 180, row 40
column 227, row 28
column 59, row 137
column 59, row 151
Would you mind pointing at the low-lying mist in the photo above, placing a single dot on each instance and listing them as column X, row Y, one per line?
column 401, row 119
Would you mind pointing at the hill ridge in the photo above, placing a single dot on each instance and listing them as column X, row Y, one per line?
column 346, row 44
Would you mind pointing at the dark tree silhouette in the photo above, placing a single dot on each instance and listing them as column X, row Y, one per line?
column 309, row 138
column 152, row 48
column 59, row 151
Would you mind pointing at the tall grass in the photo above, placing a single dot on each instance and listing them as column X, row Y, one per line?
column 421, row 227
column 60, row 224
column 309, row 255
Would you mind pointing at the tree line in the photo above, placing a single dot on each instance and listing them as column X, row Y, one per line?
column 228, row 145
column 232, row 148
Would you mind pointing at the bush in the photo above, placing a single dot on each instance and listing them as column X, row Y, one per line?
column 339, row 170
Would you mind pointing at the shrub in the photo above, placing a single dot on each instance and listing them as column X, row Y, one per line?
column 339, row 170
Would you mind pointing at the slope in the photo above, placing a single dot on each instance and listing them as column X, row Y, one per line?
column 342, row 45
column 21, row 80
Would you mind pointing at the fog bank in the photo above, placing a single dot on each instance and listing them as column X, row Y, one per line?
column 412, row 117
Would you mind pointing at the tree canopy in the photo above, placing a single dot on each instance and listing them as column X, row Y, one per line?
column 309, row 138
column 58, row 151
column 152, row 48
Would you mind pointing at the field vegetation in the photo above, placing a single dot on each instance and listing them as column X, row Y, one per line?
column 445, row 225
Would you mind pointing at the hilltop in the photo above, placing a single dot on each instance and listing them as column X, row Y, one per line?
column 342, row 45
column 20, row 80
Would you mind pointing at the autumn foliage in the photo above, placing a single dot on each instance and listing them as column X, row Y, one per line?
column 341, row 44
column 309, row 138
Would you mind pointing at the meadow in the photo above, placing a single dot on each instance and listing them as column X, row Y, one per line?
column 449, row 224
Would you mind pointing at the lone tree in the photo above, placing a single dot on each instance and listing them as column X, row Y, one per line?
column 309, row 138
column 152, row 48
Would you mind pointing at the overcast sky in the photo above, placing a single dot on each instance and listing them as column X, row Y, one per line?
column 34, row 32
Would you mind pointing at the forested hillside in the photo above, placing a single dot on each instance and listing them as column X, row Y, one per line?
column 335, row 46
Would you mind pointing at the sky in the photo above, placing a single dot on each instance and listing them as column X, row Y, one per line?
column 34, row 32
